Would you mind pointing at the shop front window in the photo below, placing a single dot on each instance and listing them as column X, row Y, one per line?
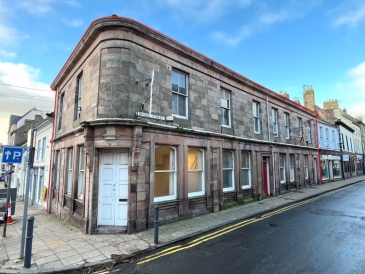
column 337, row 169
column 324, row 167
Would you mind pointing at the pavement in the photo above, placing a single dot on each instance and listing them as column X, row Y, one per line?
column 59, row 247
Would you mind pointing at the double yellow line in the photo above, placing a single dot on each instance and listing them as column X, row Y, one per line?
column 226, row 230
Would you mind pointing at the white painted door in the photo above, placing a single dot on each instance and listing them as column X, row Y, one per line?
column 113, row 190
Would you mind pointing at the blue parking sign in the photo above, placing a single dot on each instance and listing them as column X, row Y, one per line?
column 12, row 155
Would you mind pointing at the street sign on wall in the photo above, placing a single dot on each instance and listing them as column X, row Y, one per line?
column 12, row 155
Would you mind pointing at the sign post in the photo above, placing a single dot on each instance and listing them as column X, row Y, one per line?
column 11, row 155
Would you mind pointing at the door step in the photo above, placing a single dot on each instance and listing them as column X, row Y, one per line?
column 106, row 229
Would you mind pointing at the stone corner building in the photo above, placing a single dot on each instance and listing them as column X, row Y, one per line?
column 144, row 120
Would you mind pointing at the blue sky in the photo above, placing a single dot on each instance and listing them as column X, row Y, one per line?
column 281, row 44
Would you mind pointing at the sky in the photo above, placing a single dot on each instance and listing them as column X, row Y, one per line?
column 283, row 45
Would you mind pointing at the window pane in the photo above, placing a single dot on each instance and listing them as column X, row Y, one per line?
column 174, row 104
column 181, row 102
column 195, row 181
column 195, row 159
column 227, row 178
column 245, row 158
column 175, row 81
column 162, row 184
column 245, row 177
column 182, row 88
column 163, row 159
column 227, row 159
column 225, row 119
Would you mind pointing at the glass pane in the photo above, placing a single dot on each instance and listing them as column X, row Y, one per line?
column 245, row 177
column 182, row 106
column 225, row 118
column 282, row 161
column 282, row 175
column 163, row 159
column 195, row 181
column 245, row 158
column 227, row 178
column 182, row 84
column 257, row 125
column 227, row 159
column 174, row 81
column 291, row 174
column 162, row 184
column 195, row 159
column 174, row 103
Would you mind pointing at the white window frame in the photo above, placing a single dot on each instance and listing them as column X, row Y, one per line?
column 321, row 142
column 275, row 125
column 58, row 168
column 62, row 110
column 256, row 116
column 327, row 138
column 334, row 139
column 225, row 102
column 81, row 175
column 247, row 169
column 180, row 95
column 287, row 125
column 306, row 163
column 282, row 168
column 78, row 97
column 292, row 167
column 39, row 149
column 69, row 170
column 43, row 148
column 171, row 171
column 231, row 188
column 300, row 125
column 198, row 170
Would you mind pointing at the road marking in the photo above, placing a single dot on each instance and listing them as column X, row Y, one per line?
column 230, row 228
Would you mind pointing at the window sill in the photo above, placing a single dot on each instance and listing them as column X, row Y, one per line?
column 180, row 117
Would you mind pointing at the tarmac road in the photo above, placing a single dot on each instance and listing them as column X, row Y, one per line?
column 320, row 235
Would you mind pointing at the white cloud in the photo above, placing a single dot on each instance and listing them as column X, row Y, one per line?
column 19, row 100
column 265, row 17
column 75, row 23
column 202, row 10
column 233, row 40
column 353, row 88
column 7, row 54
column 36, row 7
column 73, row 3
column 351, row 17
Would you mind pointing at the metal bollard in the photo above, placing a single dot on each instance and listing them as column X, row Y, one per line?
column 28, row 241
column 156, row 224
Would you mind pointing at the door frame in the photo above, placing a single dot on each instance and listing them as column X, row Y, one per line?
column 116, row 201
column 266, row 159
